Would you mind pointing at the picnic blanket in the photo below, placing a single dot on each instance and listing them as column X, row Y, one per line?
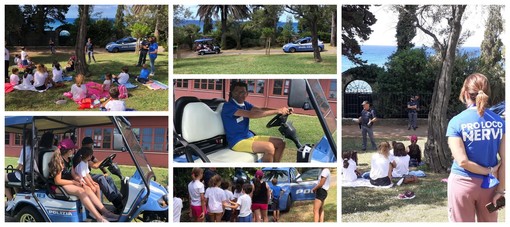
column 67, row 78
column 156, row 85
column 94, row 90
column 360, row 182
column 8, row 88
column 128, row 85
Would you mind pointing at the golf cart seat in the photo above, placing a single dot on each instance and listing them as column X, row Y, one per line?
column 201, row 123
column 45, row 166
column 179, row 105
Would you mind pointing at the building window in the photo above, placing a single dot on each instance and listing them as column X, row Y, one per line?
column 102, row 137
column 255, row 86
column 208, row 84
column 181, row 83
column 281, row 87
column 332, row 89
column 152, row 139
column 18, row 139
column 7, row 138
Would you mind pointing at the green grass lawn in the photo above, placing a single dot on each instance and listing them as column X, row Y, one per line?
column 161, row 173
column 302, row 211
column 257, row 64
column 140, row 99
column 308, row 129
column 382, row 205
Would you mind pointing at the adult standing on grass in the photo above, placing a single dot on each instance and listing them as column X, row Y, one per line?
column 89, row 48
column 153, row 53
column 144, row 48
column 52, row 46
column 321, row 193
column 366, row 121
column 7, row 59
column 260, row 198
column 475, row 136
column 236, row 115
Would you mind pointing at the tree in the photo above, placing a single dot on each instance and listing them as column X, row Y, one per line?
column 81, row 65
column 14, row 23
column 138, row 31
column 158, row 12
column 237, row 11
column 491, row 54
column 356, row 22
column 236, row 31
column 311, row 15
column 267, row 33
column 38, row 16
column 437, row 153
column 333, row 26
column 406, row 30
column 119, row 26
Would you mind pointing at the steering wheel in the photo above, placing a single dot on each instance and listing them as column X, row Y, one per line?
column 107, row 161
column 277, row 120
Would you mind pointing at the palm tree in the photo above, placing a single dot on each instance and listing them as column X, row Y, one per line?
column 237, row 11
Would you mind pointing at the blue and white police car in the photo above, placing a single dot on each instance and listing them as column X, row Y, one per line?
column 296, row 186
column 303, row 44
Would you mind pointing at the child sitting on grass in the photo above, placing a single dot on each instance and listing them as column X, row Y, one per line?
column 123, row 76
column 144, row 75
column 349, row 172
column 114, row 104
column 14, row 78
column 414, row 152
column 79, row 90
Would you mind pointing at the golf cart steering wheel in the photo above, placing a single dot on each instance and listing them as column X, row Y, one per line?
column 277, row 120
column 107, row 161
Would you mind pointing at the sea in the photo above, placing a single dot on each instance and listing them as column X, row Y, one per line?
column 201, row 24
column 379, row 55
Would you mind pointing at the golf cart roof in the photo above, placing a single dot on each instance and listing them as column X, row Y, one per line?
column 58, row 124
column 203, row 40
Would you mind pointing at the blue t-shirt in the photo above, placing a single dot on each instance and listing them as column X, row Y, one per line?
column 144, row 73
column 276, row 191
column 236, row 128
column 481, row 135
column 367, row 115
column 152, row 47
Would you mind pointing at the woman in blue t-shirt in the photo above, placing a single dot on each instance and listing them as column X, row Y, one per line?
column 475, row 136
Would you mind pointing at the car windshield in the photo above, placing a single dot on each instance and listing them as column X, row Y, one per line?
column 310, row 175
column 136, row 150
column 322, row 102
column 281, row 175
column 298, row 41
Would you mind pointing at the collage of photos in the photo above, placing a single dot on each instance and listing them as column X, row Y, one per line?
column 252, row 94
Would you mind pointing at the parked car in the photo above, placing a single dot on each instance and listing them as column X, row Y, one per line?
column 499, row 109
column 124, row 44
column 303, row 44
column 206, row 46
column 296, row 187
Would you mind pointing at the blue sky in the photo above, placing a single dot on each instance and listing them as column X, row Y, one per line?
column 107, row 11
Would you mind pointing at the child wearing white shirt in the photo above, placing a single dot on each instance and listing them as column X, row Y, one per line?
column 215, row 197
column 79, row 90
column 14, row 78
column 244, row 203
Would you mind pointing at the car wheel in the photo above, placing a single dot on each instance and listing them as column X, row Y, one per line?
column 29, row 214
column 201, row 53
column 217, row 51
column 292, row 50
column 115, row 50
column 289, row 203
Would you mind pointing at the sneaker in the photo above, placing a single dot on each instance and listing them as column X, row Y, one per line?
column 400, row 181
column 10, row 205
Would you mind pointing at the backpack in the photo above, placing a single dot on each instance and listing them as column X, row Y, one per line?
column 123, row 92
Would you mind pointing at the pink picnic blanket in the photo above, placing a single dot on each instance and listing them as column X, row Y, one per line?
column 94, row 90
column 8, row 88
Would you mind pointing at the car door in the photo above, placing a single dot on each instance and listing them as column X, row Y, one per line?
column 303, row 184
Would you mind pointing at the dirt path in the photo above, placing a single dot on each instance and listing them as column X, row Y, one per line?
column 387, row 129
column 329, row 50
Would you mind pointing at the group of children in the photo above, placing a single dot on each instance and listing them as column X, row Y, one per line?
column 388, row 163
column 222, row 204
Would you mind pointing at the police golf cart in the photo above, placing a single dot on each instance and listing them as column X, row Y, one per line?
column 37, row 201
column 206, row 46
column 199, row 135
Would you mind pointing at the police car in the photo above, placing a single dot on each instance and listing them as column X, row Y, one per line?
column 303, row 44
column 296, row 186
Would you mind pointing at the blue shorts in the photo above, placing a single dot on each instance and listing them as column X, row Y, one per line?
column 246, row 219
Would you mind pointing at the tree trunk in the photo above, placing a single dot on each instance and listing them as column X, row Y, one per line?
column 80, row 64
column 313, row 26
column 156, row 29
column 224, row 27
column 437, row 153
column 333, row 28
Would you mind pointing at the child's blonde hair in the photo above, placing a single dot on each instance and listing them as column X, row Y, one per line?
column 79, row 79
column 384, row 149
column 197, row 172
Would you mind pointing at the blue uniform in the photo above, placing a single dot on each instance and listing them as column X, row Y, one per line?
column 481, row 135
column 236, row 128
column 367, row 115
